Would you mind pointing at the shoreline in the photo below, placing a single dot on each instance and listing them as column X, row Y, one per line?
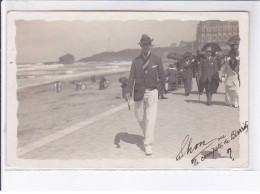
column 78, row 76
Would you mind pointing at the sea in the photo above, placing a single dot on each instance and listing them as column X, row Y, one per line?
column 40, row 73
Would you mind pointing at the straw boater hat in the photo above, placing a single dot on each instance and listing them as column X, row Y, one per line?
column 145, row 39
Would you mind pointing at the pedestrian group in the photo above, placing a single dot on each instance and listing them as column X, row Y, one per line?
column 148, row 81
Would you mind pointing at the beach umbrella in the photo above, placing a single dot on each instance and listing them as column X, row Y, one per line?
column 234, row 40
column 214, row 46
column 174, row 55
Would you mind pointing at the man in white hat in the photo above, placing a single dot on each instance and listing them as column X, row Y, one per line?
column 146, row 78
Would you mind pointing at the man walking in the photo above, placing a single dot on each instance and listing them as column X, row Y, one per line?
column 187, row 73
column 146, row 77
column 208, row 74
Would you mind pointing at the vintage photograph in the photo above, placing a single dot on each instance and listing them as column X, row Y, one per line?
column 127, row 90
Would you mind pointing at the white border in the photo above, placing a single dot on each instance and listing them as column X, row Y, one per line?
column 144, row 179
column 14, row 163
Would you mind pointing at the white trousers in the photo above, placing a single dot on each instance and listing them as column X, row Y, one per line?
column 146, row 112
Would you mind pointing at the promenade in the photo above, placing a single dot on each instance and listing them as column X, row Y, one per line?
column 115, row 134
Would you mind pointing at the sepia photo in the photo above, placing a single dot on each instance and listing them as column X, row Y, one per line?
column 127, row 90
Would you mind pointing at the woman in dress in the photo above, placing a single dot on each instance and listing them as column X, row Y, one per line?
column 230, row 73
column 172, row 77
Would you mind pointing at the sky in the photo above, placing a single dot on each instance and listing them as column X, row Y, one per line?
column 45, row 41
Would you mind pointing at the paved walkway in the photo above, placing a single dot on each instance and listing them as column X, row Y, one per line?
column 117, row 135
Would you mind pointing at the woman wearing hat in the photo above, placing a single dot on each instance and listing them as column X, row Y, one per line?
column 187, row 73
column 230, row 70
column 208, row 74
column 172, row 76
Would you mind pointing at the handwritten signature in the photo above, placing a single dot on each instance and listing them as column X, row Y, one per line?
column 188, row 147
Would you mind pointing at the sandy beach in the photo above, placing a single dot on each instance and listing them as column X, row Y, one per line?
column 41, row 111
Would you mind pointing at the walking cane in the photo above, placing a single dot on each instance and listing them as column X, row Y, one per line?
column 198, row 83
column 128, row 104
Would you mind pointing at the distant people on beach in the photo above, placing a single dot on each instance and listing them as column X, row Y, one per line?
column 93, row 79
column 84, row 86
column 57, row 87
column 103, row 83
column 79, row 85
column 124, row 82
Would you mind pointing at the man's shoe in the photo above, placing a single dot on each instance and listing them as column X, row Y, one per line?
column 148, row 150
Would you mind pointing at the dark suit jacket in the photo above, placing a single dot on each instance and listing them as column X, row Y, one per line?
column 187, row 70
column 139, row 81
column 172, row 75
column 207, row 69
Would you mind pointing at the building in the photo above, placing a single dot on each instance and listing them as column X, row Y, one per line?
column 185, row 44
column 188, row 46
column 216, row 31
column 67, row 59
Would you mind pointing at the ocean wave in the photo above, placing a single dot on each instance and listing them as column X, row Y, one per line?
column 33, row 67
column 120, row 63
column 108, row 67
column 28, row 71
